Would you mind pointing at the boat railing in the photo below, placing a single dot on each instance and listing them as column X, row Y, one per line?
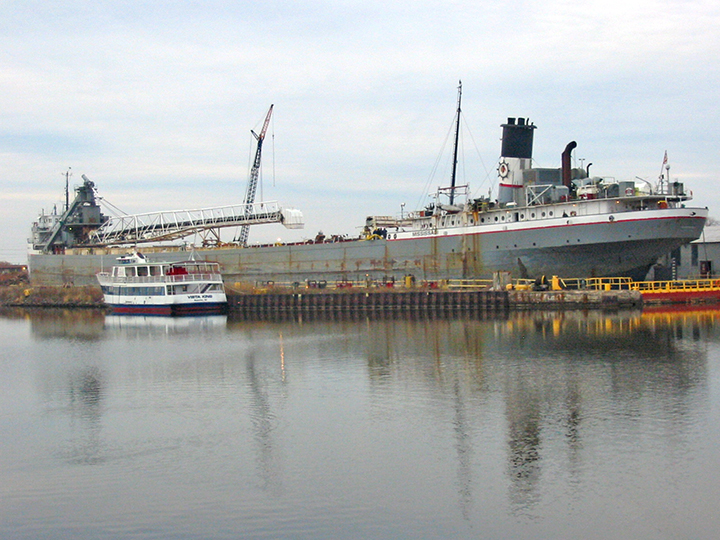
column 107, row 278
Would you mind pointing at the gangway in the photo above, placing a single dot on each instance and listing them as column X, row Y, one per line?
column 176, row 224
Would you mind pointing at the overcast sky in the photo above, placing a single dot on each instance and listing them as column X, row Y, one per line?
column 154, row 100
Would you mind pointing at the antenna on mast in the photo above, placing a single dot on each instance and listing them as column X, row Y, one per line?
column 455, row 151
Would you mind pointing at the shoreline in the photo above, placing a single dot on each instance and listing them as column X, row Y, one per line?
column 25, row 295
column 89, row 296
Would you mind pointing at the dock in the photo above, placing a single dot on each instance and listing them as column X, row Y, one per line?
column 415, row 301
column 448, row 296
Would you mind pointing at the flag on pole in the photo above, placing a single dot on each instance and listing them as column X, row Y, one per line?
column 665, row 158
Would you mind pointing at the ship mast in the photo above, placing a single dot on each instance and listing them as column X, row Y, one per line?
column 67, row 189
column 455, row 151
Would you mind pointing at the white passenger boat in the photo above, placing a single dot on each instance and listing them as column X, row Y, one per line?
column 138, row 286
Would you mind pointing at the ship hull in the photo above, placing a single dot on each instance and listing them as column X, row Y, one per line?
column 180, row 309
column 579, row 247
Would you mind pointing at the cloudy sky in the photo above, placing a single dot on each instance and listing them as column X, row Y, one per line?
column 154, row 100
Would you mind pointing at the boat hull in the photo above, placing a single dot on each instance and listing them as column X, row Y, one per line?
column 174, row 310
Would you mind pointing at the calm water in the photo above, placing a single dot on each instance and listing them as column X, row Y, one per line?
column 578, row 425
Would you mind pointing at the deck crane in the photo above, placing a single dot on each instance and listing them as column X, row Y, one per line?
column 254, row 174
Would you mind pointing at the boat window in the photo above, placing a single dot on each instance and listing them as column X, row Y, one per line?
column 142, row 271
column 156, row 270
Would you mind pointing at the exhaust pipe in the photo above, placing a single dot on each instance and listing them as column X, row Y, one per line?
column 566, row 172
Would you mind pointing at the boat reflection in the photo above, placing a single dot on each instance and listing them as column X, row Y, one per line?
column 145, row 325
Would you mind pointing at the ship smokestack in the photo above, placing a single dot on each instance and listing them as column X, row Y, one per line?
column 566, row 169
column 516, row 157
column 517, row 139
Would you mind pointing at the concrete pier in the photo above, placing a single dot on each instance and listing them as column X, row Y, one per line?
column 580, row 299
column 300, row 302
column 429, row 301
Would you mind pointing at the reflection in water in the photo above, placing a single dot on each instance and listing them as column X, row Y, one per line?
column 559, row 365
column 263, row 422
column 518, row 412
column 85, row 395
column 464, row 449
column 80, row 324
column 133, row 326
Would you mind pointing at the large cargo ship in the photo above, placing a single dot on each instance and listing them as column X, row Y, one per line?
column 543, row 222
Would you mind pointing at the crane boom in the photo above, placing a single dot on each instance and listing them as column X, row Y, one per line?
column 254, row 174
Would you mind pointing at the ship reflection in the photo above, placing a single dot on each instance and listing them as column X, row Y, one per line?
column 538, row 388
column 558, row 373
column 567, row 373
column 86, row 393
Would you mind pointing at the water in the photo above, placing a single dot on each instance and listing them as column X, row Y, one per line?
column 575, row 425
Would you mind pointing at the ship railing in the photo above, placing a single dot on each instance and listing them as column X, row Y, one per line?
column 684, row 285
column 535, row 193
column 105, row 278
